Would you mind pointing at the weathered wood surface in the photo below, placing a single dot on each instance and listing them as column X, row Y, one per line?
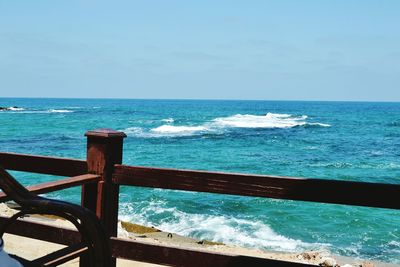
column 104, row 150
column 43, row 232
column 58, row 185
column 141, row 251
column 178, row 256
column 315, row 190
column 61, row 256
column 43, row 164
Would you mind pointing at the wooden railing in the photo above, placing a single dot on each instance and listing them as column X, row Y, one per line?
column 102, row 174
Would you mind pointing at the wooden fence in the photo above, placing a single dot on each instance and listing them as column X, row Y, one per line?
column 102, row 173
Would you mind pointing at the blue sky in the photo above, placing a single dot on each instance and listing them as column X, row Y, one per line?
column 277, row 50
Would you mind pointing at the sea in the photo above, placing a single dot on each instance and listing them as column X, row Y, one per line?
column 350, row 141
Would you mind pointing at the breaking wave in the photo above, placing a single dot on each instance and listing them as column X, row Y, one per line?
column 271, row 120
column 165, row 131
column 60, row 111
column 218, row 125
column 217, row 228
column 180, row 130
column 15, row 109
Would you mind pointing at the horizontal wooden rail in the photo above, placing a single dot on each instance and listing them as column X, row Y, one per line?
column 43, row 164
column 59, row 184
column 43, row 232
column 61, row 256
column 178, row 256
column 315, row 190
column 145, row 252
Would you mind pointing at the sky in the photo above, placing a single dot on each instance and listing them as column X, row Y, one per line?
column 263, row 50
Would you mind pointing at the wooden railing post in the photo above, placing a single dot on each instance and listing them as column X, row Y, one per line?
column 104, row 149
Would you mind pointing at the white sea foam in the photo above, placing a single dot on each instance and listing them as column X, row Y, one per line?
column 221, row 124
column 15, row 109
column 318, row 124
column 179, row 130
column 393, row 247
column 169, row 120
column 217, row 228
column 166, row 130
column 231, row 231
column 270, row 120
column 60, row 111
column 133, row 131
column 394, row 243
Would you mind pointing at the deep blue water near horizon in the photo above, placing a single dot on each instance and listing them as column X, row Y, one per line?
column 357, row 141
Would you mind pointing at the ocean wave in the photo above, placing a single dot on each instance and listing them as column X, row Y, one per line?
column 217, row 228
column 221, row 124
column 271, row 120
column 395, row 123
column 268, row 121
column 34, row 111
column 169, row 120
column 392, row 247
column 15, row 109
column 133, row 131
column 315, row 124
column 164, row 131
column 159, row 132
column 179, row 130
column 11, row 108
column 74, row 107
column 59, row 111
column 360, row 165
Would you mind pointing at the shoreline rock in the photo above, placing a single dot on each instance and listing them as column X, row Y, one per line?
column 9, row 108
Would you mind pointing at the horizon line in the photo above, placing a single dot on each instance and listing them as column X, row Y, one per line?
column 202, row 99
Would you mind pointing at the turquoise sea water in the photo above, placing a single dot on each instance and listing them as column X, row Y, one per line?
column 329, row 140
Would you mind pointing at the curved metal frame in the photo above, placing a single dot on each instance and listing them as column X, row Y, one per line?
column 86, row 222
